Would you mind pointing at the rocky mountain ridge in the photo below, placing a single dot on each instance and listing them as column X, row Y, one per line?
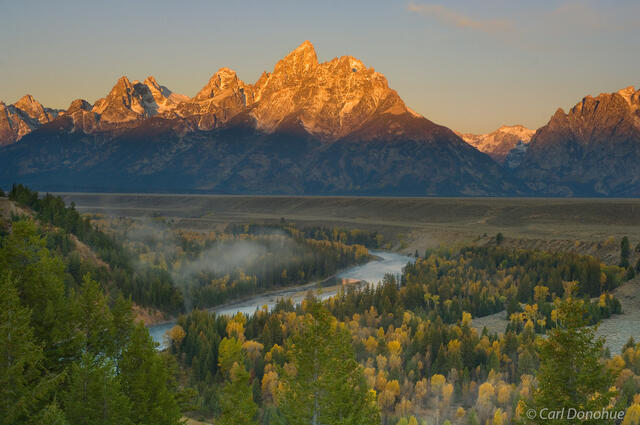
column 22, row 117
column 594, row 149
column 311, row 128
column 329, row 100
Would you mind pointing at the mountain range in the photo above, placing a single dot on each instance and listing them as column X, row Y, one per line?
column 310, row 128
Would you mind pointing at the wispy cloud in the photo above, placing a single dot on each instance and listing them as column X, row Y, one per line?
column 457, row 19
column 579, row 13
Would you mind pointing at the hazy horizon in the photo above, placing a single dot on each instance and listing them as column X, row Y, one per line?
column 469, row 66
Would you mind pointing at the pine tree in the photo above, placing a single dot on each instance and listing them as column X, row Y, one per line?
column 571, row 374
column 22, row 386
column 122, row 325
column 52, row 415
column 625, row 250
column 145, row 381
column 96, row 322
column 328, row 385
column 39, row 278
column 94, row 395
column 236, row 402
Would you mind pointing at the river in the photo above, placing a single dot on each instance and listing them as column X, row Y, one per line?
column 371, row 272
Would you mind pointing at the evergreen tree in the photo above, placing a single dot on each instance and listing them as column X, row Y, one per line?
column 94, row 396
column 571, row 374
column 52, row 415
column 95, row 320
column 625, row 250
column 22, row 385
column 328, row 386
column 39, row 278
column 236, row 402
column 122, row 325
column 146, row 382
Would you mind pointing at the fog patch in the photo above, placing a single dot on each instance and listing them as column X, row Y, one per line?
column 229, row 256
column 268, row 250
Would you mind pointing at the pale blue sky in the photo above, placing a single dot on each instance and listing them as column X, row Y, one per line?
column 469, row 65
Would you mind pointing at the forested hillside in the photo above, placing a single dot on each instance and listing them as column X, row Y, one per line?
column 171, row 270
column 71, row 352
column 146, row 286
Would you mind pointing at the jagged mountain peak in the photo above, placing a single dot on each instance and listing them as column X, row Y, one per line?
column 329, row 100
column 22, row 117
column 130, row 101
column 558, row 114
column 122, row 87
column 26, row 100
column 81, row 116
column 165, row 99
column 126, row 102
column 223, row 79
column 77, row 105
column 34, row 109
column 301, row 60
column 305, row 52
column 151, row 81
column 122, row 83
column 154, row 86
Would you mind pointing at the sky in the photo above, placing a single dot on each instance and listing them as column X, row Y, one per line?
column 470, row 65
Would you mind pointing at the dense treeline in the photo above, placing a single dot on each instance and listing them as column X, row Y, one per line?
column 486, row 280
column 70, row 354
column 370, row 239
column 146, row 286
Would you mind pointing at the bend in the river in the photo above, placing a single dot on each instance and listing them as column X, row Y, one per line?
column 372, row 272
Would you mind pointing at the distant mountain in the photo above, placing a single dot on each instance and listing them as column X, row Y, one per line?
column 305, row 128
column 21, row 118
column 594, row 149
column 498, row 144
column 311, row 128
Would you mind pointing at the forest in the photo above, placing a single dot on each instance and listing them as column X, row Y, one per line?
column 71, row 352
column 414, row 341
column 402, row 352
